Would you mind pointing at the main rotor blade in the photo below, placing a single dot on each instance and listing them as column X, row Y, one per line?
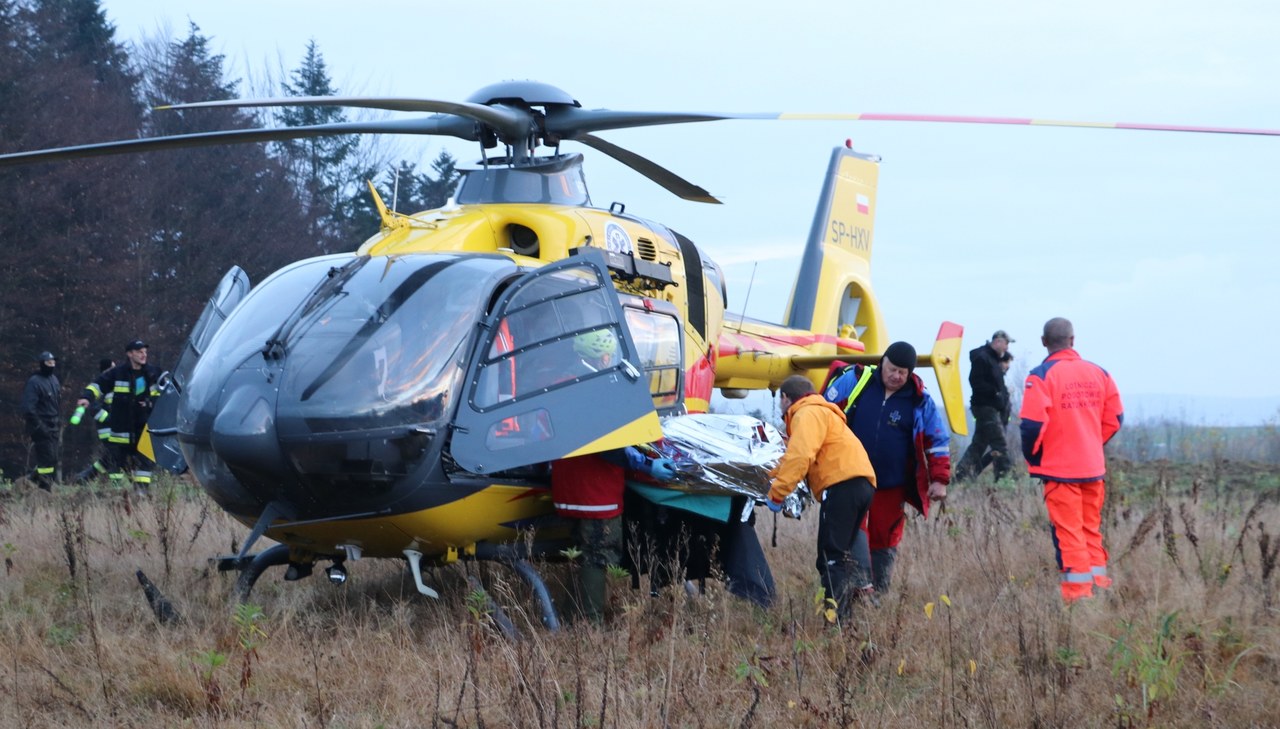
column 509, row 121
column 570, row 121
column 661, row 175
column 442, row 124
column 1018, row 121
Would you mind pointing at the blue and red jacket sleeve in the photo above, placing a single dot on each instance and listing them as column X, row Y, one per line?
column 937, row 442
column 1036, row 402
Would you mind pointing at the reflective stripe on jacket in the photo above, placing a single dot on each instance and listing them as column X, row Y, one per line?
column 929, row 434
column 591, row 486
column 127, row 395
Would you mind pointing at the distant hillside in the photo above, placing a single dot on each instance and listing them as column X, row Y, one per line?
column 1157, row 427
column 1195, row 410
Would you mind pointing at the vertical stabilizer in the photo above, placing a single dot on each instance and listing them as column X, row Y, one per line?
column 945, row 361
column 833, row 292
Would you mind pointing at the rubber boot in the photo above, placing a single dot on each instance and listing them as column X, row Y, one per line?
column 882, row 567
column 862, row 564
column 592, row 581
column 838, row 584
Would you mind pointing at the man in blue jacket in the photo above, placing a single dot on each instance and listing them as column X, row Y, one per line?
column 889, row 410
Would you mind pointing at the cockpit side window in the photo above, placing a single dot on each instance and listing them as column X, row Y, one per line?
column 557, row 330
column 658, row 344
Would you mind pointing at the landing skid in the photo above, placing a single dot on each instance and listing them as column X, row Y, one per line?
column 252, row 567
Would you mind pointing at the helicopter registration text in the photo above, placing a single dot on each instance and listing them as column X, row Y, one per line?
column 854, row 237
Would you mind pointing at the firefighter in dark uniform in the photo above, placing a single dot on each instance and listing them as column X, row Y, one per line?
column 133, row 386
column 41, row 401
column 101, row 411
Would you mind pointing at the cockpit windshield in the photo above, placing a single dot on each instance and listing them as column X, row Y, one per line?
column 390, row 346
column 362, row 343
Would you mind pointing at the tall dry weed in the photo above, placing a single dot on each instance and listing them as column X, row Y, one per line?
column 82, row 647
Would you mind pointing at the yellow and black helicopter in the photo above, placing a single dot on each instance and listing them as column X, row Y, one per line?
column 394, row 402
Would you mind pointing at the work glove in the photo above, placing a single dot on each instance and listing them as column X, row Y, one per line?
column 774, row 506
column 663, row 469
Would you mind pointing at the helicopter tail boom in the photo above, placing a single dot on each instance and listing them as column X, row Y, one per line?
column 833, row 294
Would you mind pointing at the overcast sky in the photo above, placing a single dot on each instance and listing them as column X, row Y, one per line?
column 1160, row 247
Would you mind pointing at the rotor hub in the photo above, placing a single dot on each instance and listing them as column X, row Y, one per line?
column 527, row 93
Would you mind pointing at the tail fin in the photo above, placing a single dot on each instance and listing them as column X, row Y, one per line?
column 833, row 292
column 945, row 361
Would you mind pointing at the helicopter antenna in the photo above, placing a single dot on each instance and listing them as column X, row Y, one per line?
column 747, row 298
column 395, row 189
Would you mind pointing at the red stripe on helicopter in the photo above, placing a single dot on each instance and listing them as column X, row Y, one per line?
column 731, row 343
column 531, row 492
column 950, row 330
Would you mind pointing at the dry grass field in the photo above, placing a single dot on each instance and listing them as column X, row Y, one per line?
column 973, row 634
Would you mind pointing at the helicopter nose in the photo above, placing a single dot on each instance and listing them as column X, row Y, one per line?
column 244, row 433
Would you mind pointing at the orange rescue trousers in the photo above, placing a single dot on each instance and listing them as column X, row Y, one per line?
column 1075, row 511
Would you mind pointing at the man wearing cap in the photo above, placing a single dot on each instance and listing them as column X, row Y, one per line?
column 990, row 405
column 1070, row 409
column 133, row 386
column 891, row 413
column 41, row 401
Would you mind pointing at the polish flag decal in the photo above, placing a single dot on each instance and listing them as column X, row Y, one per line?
column 864, row 204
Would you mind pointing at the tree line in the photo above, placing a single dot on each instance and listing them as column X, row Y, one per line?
column 101, row 251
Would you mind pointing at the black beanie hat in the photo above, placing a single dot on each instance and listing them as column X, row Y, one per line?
column 902, row 355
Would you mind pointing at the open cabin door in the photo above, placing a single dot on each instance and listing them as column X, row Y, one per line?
column 555, row 373
column 159, row 436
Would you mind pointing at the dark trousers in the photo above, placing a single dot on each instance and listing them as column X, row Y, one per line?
column 600, row 540
column 601, row 543
column 45, row 449
column 844, row 508
column 988, row 434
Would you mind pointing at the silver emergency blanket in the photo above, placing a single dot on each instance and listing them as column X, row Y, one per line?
column 723, row 454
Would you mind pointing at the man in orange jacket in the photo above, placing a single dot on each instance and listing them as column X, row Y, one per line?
column 822, row 450
column 1070, row 409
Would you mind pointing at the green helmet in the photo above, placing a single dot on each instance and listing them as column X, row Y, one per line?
column 595, row 344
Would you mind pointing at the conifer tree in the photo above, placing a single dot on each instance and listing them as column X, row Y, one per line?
column 321, row 167
column 63, row 80
column 209, row 207
column 435, row 191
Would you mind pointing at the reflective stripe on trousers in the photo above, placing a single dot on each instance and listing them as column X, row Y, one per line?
column 1075, row 513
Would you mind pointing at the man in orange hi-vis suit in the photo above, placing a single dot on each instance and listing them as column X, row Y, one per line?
column 1070, row 409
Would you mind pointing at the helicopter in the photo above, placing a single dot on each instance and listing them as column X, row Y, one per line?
column 397, row 401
